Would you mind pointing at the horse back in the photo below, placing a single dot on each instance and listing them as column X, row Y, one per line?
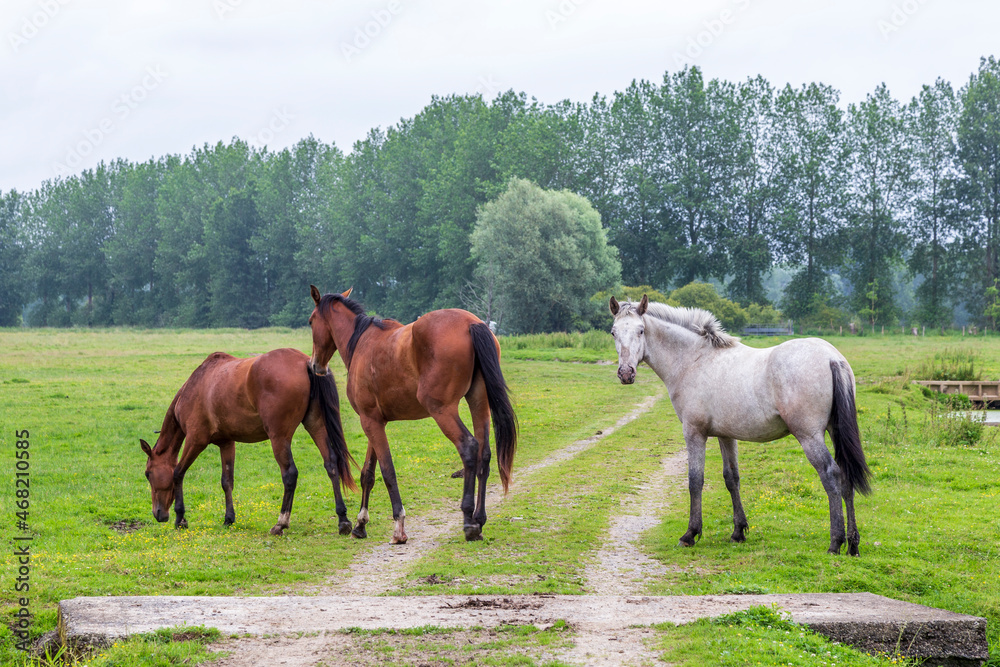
column 225, row 396
column 397, row 372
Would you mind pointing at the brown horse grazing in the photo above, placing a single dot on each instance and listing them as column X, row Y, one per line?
column 415, row 371
column 228, row 400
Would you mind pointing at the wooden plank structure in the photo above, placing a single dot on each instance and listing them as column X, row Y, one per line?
column 769, row 330
column 978, row 391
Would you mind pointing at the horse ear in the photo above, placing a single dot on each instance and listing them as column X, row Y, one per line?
column 146, row 448
column 643, row 305
column 348, row 292
column 613, row 305
column 315, row 293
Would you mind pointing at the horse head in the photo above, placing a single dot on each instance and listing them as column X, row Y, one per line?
column 160, row 473
column 324, row 344
column 628, row 332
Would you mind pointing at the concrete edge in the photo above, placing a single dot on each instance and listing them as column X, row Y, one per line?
column 870, row 623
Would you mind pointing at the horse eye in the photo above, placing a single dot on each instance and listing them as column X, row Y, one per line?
column 147, row 474
column 641, row 330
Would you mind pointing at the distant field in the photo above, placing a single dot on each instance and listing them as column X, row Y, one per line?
column 930, row 533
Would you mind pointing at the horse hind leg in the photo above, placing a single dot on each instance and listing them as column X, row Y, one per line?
column 367, row 480
column 731, row 474
column 317, row 430
column 468, row 448
column 227, row 451
column 853, row 536
column 282, row 448
column 831, row 476
column 480, row 410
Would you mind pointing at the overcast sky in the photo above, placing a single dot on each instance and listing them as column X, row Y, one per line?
column 83, row 81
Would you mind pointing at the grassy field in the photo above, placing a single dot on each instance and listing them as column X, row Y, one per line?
column 930, row 533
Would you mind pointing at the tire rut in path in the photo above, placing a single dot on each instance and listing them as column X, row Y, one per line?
column 367, row 574
column 621, row 568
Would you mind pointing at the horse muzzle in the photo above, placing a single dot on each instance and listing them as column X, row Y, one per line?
column 626, row 375
column 317, row 370
column 161, row 515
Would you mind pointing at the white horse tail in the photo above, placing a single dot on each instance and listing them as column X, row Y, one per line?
column 844, row 430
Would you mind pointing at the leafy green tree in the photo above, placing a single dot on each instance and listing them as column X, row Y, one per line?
column 289, row 196
column 813, row 179
column 553, row 255
column 635, row 217
column 237, row 275
column 932, row 118
column 992, row 310
column 751, row 131
column 13, row 253
column 979, row 152
column 880, row 187
column 131, row 251
column 696, row 172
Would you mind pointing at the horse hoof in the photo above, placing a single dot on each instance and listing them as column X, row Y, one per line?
column 228, row 522
column 345, row 528
column 359, row 532
column 398, row 540
column 473, row 532
column 181, row 524
column 277, row 530
column 458, row 474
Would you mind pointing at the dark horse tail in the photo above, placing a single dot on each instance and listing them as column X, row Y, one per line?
column 504, row 419
column 325, row 389
column 844, row 430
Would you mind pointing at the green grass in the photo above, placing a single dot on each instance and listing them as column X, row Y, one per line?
column 930, row 532
column 758, row 636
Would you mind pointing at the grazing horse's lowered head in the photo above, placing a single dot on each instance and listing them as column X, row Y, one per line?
column 160, row 473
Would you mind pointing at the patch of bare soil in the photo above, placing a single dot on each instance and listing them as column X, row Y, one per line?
column 458, row 647
column 621, row 568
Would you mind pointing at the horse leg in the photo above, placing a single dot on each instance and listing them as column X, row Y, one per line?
column 377, row 441
column 282, row 448
column 830, row 474
column 853, row 537
column 480, row 409
column 192, row 448
column 367, row 479
column 695, row 443
column 451, row 425
column 317, row 430
column 731, row 473
column 228, row 452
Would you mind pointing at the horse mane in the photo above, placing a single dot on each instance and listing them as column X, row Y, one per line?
column 361, row 320
column 700, row 321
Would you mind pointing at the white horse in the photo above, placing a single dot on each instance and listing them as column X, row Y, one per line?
column 722, row 388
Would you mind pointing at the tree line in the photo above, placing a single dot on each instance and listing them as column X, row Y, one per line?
column 693, row 180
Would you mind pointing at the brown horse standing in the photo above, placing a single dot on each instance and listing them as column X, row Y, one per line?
column 415, row 371
column 228, row 400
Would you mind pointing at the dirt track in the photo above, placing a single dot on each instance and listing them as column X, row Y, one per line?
column 622, row 570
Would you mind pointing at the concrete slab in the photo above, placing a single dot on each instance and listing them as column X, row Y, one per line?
column 870, row 622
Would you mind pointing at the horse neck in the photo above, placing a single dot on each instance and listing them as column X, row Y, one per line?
column 342, row 327
column 171, row 433
column 670, row 348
